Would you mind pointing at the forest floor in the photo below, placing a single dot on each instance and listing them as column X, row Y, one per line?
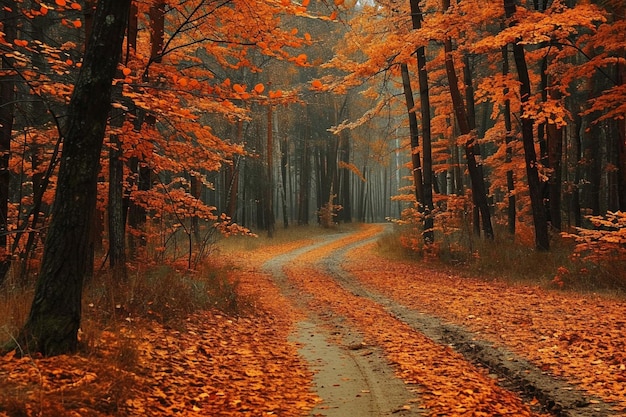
column 332, row 328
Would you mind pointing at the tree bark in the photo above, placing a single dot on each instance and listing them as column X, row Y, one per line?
column 269, row 185
column 414, row 134
column 429, row 233
column 7, row 106
column 479, row 191
column 54, row 319
column 508, row 140
column 542, row 238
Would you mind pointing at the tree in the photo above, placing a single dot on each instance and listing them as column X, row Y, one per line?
column 429, row 234
column 54, row 319
column 542, row 239
column 479, row 192
column 7, row 104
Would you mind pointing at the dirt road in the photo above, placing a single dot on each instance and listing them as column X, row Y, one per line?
column 375, row 356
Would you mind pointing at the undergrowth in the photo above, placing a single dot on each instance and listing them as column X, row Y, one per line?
column 103, row 374
column 509, row 259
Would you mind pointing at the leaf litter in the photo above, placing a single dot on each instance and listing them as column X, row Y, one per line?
column 219, row 365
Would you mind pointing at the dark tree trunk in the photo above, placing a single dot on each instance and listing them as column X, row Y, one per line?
column 429, row 233
column 345, row 198
column 270, row 221
column 284, row 160
column 414, row 134
column 542, row 238
column 157, row 18
column 117, row 246
column 479, row 192
column 510, row 181
column 304, row 183
column 621, row 136
column 54, row 319
column 554, row 136
column 136, row 212
column 7, row 106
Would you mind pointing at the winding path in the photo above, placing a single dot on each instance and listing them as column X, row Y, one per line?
column 354, row 374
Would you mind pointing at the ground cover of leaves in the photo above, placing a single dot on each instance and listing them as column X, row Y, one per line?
column 578, row 337
column 449, row 384
column 209, row 365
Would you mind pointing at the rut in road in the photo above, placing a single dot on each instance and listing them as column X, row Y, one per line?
column 420, row 345
column 351, row 379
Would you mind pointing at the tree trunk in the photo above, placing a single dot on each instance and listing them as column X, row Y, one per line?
column 269, row 184
column 304, row 183
column 117, row 246
column 508, row 140
column 284, row 160
column 54, row 319
column 7, row 106
column 414, row 134
column 542, row 239
column 429, row 233
column 479, row 192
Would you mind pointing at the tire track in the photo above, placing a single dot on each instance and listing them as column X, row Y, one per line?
column 351, row 378
column 517, row 374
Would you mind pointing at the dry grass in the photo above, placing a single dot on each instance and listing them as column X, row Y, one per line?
column 513, row 261
column 101, row 376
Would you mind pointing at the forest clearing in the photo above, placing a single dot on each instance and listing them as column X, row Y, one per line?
column 458, row 345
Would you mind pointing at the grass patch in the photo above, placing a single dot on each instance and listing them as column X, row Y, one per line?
column 163, row 294
column 511, row 261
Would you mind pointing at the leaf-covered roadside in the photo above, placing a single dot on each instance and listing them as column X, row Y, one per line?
column 581, row 338
column 211, row 364
column 216, row 365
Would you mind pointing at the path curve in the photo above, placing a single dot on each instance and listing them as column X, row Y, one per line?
column 350, row 378
column 557, row 396
column 355, row 379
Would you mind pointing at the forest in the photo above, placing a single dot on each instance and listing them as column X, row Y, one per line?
column 160, row 158
column 138, row 136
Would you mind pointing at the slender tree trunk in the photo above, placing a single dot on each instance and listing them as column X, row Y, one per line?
column 304, row 183
column 269, row 190
column 555, row 153
column 429, row 233
column 345, row 198
column 7, row 106
column 510, row 182
column 54, row 319
column 284, row 160
column 542, row 238
column 117, row 246
column 414, row 134
column 621, row 129
column 479, row 192
column 232, row 179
